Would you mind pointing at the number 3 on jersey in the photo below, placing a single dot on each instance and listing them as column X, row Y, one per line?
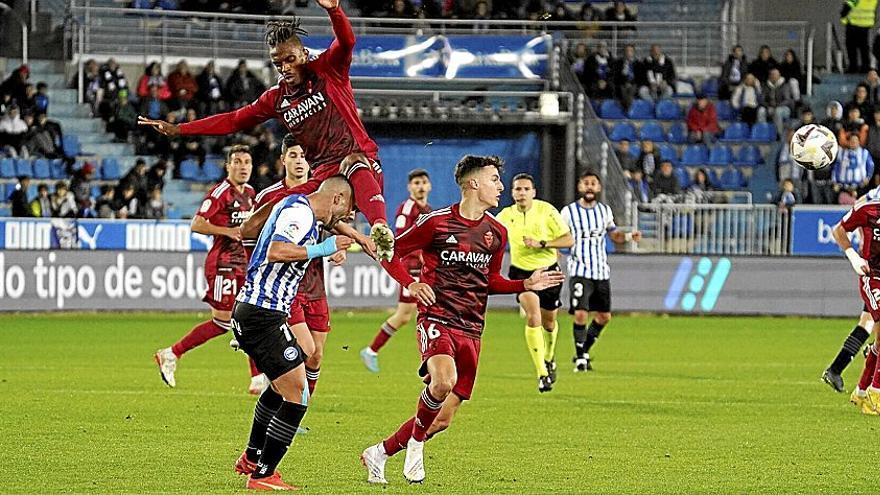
column 425, row 335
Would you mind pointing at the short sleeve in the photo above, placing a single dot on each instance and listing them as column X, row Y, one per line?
column 855, row 218
column 293, row 224
column 210, row 207
column 558, row 226
column 610, row 226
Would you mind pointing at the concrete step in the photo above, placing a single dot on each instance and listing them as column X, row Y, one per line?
column 62, row 95
column 109, row 149
column 55, row 80
column 73, row 110
column 80, row 125
column 39, row 66
column 95, row 138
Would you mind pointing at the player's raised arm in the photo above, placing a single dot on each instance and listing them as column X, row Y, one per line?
column 242, row 119
column 341, row 48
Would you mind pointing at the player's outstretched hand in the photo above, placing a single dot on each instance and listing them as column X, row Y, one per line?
column 338, row 258
column 165, row 128
column 343, row 242
column 541, row 279
column 328, row 4
column 423, row 292
column 366, row 243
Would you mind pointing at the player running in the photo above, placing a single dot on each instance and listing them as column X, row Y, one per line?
column 226, row 206
column 309, row 313
column 463, row 248
column 590, row 290
column 864, row 216
column 315, row 102
column 536, row 231
column 288, row 242
column 851, row 346
column 419, row 185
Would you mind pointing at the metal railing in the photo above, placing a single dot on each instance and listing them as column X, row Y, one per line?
column 714, row 229
column 701, row 45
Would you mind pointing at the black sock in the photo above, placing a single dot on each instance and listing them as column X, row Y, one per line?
column 851, row 346
column 593, row 333
column 279, row 436
column 264, row 411
column 580, row 337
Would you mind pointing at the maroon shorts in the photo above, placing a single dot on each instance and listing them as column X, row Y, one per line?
column 435, row 338
column 405, row 297
column 321, row 173
column 869, row 289
column 315, row 314
column 223, row 286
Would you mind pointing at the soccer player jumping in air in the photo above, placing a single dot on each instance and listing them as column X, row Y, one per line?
column 463, row 247
column 315, row 102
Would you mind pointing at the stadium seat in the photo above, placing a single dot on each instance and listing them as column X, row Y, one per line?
column 110, row 169
column 611, row 109
column 668, row 110
column 212, row 171
column 7, row 168
column 24, row 167
column 70, row 145
column 42, row 169
column 695, row 154
column 59, row 171
column 96, row 191
column 668, row 152
column 652, row 131
column 684, row 178
column 623, row 130
column 635, row 151
column 749, row 156
column 720, row 155
column 189, row 170
column 725, row 111
column 732, row 179
column 678, row 133
column 763, row 132
column 641, row 110
column 710, row 87
column 737, row 131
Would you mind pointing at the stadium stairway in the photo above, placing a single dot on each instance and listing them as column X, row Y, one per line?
column 839, row 87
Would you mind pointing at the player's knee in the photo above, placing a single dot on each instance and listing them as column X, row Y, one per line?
column 442, row 387
column 350, row 161
column 580, row 317
column 603, row 318
column 534, row 320
column 315, row 358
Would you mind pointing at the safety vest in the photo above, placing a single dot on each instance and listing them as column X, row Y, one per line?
column 862, row 13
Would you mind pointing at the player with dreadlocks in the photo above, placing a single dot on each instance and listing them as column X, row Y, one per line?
column 315, row 102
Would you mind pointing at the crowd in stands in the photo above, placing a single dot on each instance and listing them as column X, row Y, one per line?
column 25, row 129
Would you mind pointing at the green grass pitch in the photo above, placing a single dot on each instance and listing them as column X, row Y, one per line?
column 676, row 405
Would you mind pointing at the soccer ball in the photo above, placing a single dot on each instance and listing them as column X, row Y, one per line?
column 813, row 147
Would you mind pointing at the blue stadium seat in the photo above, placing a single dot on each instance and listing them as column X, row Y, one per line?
column 684, row 178
column 737, row 131
column 678, row 133
column 652, row 131
column 668, row 110
column 710, row 87
column 641, row 110
column 58, row 169
column 611, row 109
column 189, row 170
column 720, row 155
column 110, row 169
column 763, row 132
column 96, row 191
column 668, row 152
column 695, row 154
column 42, row 169
column 732, row 179
column 749, row 156
column 70, row 145
column 623, row 130
column 213, row 171
column 725, row 111
column 7, row 168
column 24, row 167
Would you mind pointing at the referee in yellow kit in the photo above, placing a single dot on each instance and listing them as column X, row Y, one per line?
column 535, row 230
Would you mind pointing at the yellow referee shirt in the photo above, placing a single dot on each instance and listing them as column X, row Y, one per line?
column 543, row 223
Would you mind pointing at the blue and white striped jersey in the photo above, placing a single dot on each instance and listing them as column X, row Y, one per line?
column 589, row 227
column 273, row 285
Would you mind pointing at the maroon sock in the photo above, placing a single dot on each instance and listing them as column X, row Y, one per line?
column 367, row 193
column 253, row 365
column 200, row 334
column 397, row 441
column 870, row 367
column 381, row 338
column 312, row 376
column 429, row 408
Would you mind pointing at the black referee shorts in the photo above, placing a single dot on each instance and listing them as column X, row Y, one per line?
column 589, row 295
column 265, row 336
column 549, row 297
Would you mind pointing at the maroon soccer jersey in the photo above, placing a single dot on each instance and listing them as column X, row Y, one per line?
column 225, row 206
column 866, row 216
column 406, row 215
column 311, row 287
column 462, row 264
column 320, row 112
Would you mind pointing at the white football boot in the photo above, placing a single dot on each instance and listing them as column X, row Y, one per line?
column 373, row 458
column 414, row 464
column 167, row 362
